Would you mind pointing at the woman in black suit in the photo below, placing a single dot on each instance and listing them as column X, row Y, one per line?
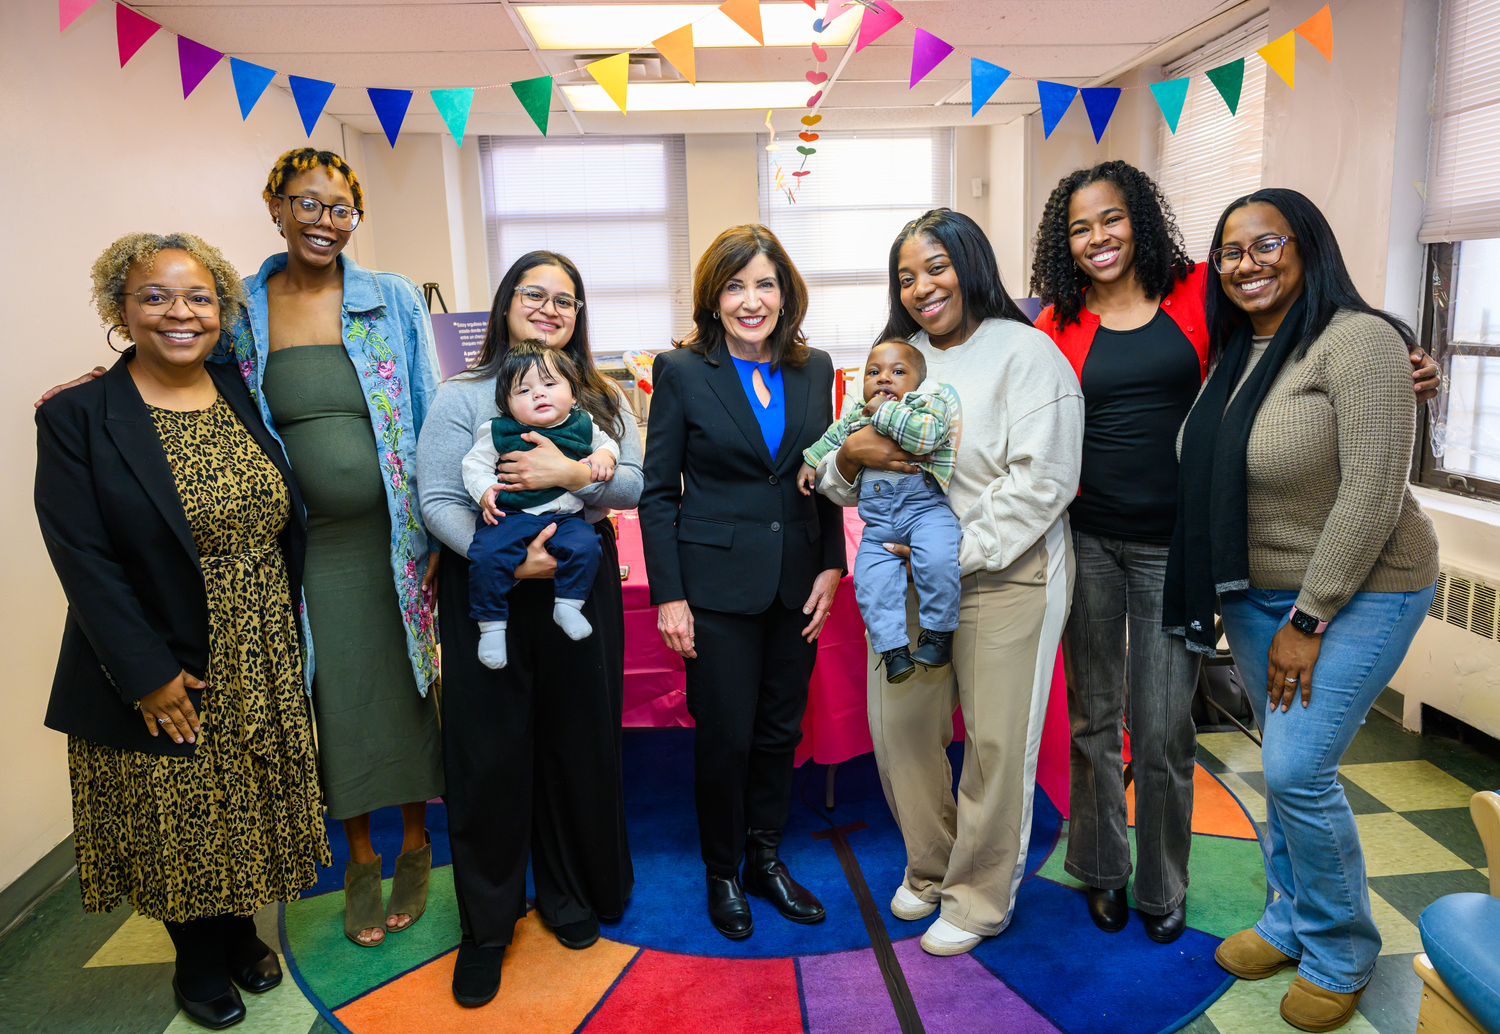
column 176, row 530
column 742, row 566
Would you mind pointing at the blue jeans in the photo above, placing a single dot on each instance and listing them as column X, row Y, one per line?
column 912, row 510
column 1313, row 857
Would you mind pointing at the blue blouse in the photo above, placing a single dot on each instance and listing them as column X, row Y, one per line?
column 772, row 418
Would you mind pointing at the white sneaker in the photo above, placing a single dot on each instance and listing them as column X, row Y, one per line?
column 906, row 905
column 943, row 938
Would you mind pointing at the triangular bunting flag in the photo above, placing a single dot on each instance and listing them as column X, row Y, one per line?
column 1228, row 79
column 1318, row 30
column 986, row 80
column 454, row 106
column 390, row 109
column 250, row 81
column 1170, row 96
column 927, row 53
column 879, row 18
column 310, row 95
column 1055, row 99
column 131, row 31
column 67, row 10
column 745, row 14
column 194, row 61
column 677, row 47
column 1281, row 55
column 1100, row 102
column 535, row 95
column 612, row 73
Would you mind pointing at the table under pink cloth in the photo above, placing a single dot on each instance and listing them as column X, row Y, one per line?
column 835, row 727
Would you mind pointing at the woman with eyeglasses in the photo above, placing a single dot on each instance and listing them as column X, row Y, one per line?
column 533, row 748
column 1295, row 517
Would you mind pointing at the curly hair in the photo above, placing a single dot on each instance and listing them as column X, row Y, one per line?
column 1160, row 260
column 305, row 159
column 113, row 266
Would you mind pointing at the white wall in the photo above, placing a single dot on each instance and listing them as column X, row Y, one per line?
column 92, row 151
column 722, row 186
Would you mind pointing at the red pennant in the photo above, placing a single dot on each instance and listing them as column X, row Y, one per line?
column 132, row 30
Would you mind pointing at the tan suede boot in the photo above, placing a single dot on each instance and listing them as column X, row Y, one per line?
column 1249, row 957
column 1307, row 1006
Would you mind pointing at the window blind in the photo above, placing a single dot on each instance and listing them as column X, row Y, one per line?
column 616, row 206
column 1214, row 157
column 1463, row 191
column 865, row 186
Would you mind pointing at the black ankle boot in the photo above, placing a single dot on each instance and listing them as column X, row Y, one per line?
column 476, row 974
column 898, row 665
column 201, row 982
column 1165, row 929
column 934, row 649
column 766, row 876
column 252, row 963
column 1108, row 910
column 728, row 909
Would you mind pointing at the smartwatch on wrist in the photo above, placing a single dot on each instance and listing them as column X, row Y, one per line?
column 1305, row 622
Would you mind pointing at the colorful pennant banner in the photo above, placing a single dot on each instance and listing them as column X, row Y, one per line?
column 1170, row 96
column 390, row 109
column 535, row 96
column 1228, row 79
column 1100, row 103
column 194, row 61
column 310, row 95
column 1055, row 98
column 132, row 30
column 927, row 53
column 250, row 81
column 454, row 105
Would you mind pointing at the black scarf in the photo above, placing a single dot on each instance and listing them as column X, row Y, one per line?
column 1210, row 544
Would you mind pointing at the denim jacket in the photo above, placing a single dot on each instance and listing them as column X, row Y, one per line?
column 388, row 335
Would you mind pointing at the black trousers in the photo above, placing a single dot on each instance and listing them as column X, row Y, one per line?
column 746, row 691
column 532, row 756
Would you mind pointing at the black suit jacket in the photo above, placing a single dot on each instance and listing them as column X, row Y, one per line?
column 722, row 521
column 123, row 549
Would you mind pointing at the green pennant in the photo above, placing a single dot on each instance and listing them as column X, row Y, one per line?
column 1228, row 79
column 535, row 96
column 454, row 105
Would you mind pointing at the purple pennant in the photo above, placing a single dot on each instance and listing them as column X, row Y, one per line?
column 1100, row 103
column 195, row 61
column 927, row 53
column 390, row 108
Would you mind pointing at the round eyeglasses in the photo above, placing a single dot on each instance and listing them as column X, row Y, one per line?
column 1263, row 252
column 158, row 301
column 309, row 210
column 535, row 298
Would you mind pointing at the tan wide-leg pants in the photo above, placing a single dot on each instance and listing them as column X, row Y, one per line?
column 970, row 854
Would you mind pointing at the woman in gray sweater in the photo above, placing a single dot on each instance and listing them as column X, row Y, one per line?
column 532, row 750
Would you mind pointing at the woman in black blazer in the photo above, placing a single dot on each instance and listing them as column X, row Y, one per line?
column 742, row 566
column 176, row 530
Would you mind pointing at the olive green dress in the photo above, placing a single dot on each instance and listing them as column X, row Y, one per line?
column 378, row 738
column 238, row 824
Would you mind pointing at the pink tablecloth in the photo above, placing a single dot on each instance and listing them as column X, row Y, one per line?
column 835, row 727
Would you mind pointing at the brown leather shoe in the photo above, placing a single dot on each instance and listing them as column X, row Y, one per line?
column 1249, row 957
column 1307, row 1006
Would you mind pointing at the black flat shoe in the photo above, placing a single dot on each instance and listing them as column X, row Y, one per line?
column 767, row 877
column 258, row 977
column 1108, row 910
column 221, row 1011
column 578, row 935
column 1165, row 929
column 476, row 974
column 934, row 649
column 728, row 908
column 898, row 665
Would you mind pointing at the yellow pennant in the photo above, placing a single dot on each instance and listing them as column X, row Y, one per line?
column 1281, row 55
column 745, row 14
column 677, row 47
column 611, row 73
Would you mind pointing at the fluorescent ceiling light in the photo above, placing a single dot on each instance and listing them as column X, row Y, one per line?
column 627, row 26
column 687, row 97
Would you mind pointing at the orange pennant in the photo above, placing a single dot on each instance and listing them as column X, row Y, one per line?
column 612, row 73
column 1318, row 30
column 745, row 14
column 677, row 47
column 1281, row 55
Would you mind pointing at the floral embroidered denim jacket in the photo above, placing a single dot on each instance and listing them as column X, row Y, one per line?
column 388, row 335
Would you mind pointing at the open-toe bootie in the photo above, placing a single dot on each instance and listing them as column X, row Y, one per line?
column 362, row 910
column 409, row 888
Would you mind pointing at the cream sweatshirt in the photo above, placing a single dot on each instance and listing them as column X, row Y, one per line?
column 1019, row 440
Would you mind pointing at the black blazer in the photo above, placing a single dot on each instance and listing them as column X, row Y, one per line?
column 722, row 521
column 123, row 550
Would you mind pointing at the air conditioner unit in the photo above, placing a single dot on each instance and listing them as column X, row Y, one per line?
column 1467, row 601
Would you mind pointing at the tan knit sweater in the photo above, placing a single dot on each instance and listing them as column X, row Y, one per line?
column 1330, row 512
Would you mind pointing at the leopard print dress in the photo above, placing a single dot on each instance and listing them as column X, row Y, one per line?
column 239, row 823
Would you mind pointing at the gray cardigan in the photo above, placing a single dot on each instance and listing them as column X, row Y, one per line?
column 461, row 405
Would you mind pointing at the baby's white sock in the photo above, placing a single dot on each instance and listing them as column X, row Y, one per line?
column 492, row 644
column 569, row 617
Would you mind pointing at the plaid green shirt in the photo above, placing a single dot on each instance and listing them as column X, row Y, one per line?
column 922, row 423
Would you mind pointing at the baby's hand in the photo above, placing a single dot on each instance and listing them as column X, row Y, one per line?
column 879, row 399
column 601, row 465
column 805, row 478
column 492, row 512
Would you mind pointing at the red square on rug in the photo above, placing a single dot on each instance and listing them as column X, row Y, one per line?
column 691, row 994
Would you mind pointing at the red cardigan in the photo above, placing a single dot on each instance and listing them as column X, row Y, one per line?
column 1184, row 303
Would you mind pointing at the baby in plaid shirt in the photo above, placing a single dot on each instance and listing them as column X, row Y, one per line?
column 911, row 509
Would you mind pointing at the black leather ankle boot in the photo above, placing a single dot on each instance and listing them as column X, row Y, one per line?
column 766, row 876
column 728, row 909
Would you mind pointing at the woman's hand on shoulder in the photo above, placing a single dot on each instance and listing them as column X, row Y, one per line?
column 542, row 467
column 867, row 447
column 168, row 709
column 674, row 620
column 97, row 371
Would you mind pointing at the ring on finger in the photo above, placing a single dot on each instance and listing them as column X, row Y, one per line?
column 1289, row 680
column 162, row 721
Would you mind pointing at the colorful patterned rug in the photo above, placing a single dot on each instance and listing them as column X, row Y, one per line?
column 662, row 967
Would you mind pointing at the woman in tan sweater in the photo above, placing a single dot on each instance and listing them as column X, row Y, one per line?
column 1293, row 509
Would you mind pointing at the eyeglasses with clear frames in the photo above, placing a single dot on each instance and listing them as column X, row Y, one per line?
column 309, row 210
column 535, row 298
column 158, row 301
column 1263, row 252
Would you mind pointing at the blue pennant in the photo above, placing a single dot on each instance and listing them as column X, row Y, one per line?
column 1170, row 96
column 250, row 81
column 1055, row 100
column 1100, row 102
column 986, row 79
column 390, row 109
column 310, row 95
